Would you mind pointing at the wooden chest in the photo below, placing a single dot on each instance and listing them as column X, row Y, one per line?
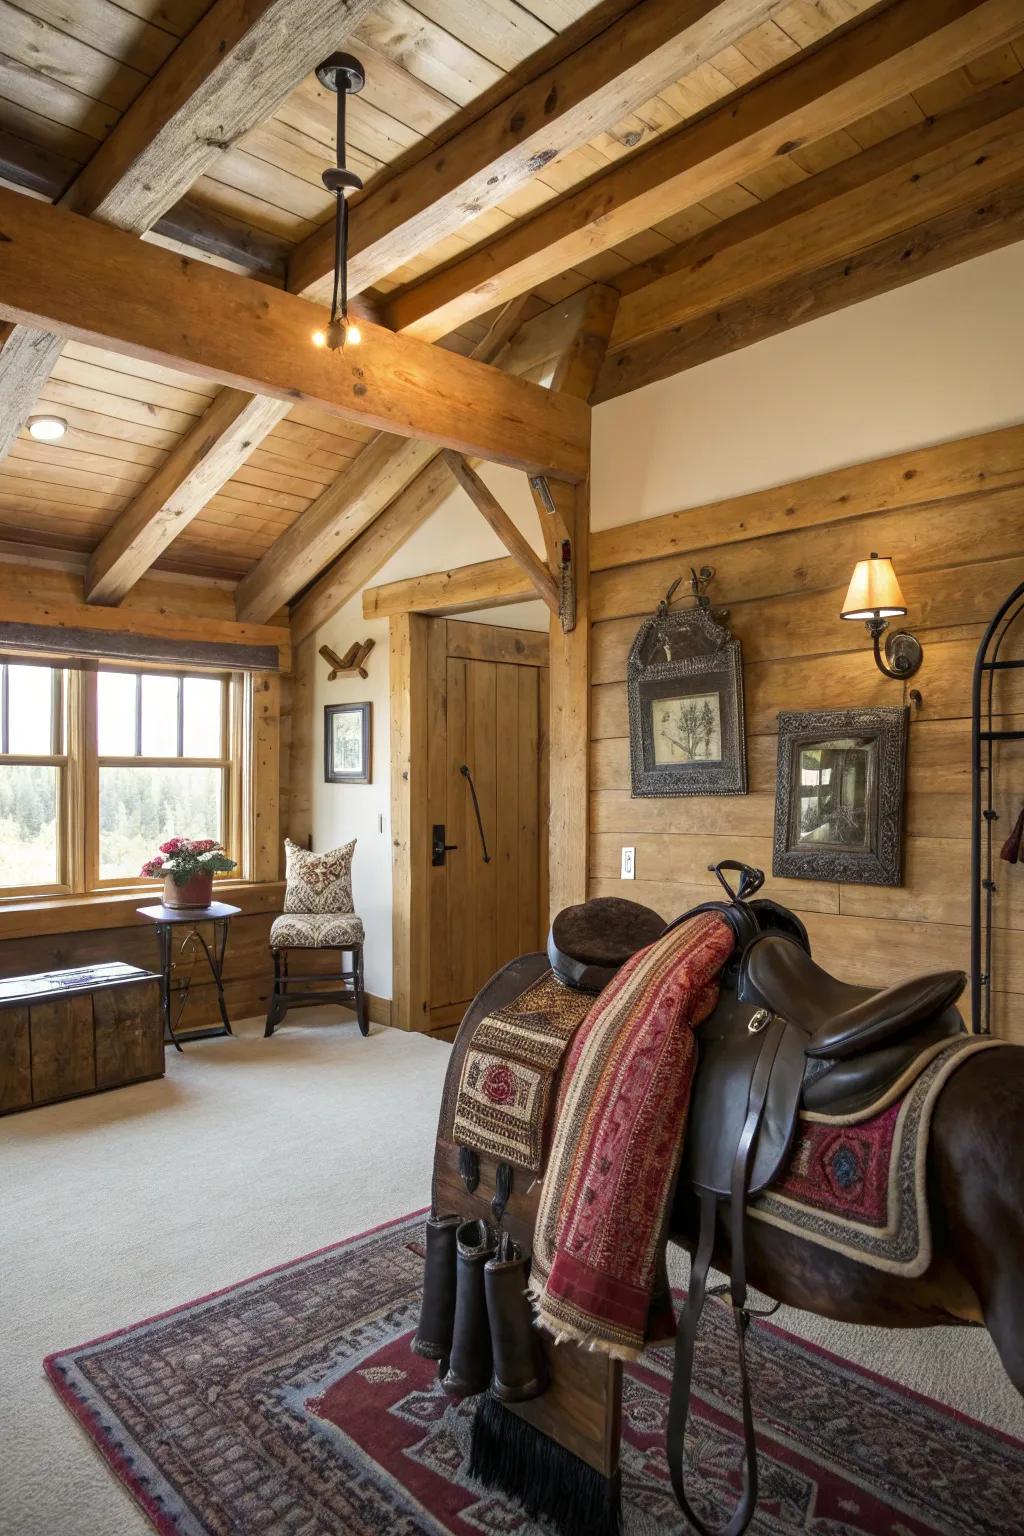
column 65, row 1033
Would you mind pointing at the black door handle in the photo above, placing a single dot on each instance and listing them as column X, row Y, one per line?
column 464, row 770
column 438, row 846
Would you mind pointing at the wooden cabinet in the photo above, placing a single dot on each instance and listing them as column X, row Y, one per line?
column 65, row 1033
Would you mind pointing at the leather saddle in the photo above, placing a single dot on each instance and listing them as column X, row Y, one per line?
column 784, row 1034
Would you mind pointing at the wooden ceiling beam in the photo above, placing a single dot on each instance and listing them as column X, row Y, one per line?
column 395, row 474
column 231, row 72
column 918, row 175
column 372, row 549
column 570, row 335
column 593, row 88
column 188, row 226
column 498, row 520
column 194, row 471
column 972, row 230
column 865, row 67
column 487, row 584
column 119, row 293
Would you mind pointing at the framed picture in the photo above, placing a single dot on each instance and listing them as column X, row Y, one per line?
column 839, row 795
column 348, row 743
column 685, row 686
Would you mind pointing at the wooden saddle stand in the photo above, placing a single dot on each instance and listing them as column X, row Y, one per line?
column 784, row 1035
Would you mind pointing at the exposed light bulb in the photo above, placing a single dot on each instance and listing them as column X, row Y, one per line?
column 353, row 335
column 47, row 429
column 319, row 339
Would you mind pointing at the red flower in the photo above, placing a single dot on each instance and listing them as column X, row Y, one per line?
column 152, row 868
column 174, row 845
column 204, row 845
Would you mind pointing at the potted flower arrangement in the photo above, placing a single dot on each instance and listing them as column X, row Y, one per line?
column 187, row 866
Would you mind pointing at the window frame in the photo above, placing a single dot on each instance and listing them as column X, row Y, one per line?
column 77, row 722
column 58, row 757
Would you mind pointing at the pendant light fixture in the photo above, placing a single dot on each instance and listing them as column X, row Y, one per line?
column 343, row 75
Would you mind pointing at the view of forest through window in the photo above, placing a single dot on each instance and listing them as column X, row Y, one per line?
column 141, row 803
column 28, row 825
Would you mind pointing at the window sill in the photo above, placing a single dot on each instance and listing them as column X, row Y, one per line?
column 117, row 909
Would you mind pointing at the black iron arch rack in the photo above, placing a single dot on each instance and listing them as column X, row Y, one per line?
column 985, row 740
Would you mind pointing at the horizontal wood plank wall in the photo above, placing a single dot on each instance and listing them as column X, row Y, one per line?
column 783, row 559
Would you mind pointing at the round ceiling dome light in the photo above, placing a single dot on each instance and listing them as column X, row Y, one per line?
column 47, row 429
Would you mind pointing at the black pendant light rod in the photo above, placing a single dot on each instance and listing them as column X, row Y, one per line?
column 342, row 74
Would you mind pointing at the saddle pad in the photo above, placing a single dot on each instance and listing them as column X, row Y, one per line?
column 503, row 1105
column 857, row 1183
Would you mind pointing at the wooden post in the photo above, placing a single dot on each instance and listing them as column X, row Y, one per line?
column 569, row 775
column 569, row 778
column 410, row 1001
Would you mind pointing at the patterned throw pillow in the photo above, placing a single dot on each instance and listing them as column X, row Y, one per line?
column 318, row 882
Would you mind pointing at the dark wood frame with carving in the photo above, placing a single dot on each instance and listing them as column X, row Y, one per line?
column 881, row 861
column 675, row 655
column 331, row 775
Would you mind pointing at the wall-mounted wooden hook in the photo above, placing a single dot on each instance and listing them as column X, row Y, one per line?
column 349, row 665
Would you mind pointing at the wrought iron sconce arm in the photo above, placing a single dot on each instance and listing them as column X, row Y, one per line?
column 902, row 654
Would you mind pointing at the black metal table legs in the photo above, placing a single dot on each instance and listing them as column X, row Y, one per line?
column 215, row 960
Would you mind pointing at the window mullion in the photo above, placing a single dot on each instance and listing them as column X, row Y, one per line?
column 5, row 730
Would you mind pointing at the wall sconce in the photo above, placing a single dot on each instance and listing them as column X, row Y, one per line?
column 875, row 596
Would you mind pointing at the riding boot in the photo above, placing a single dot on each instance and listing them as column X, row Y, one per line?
column 520, row 1370
column 469, row 1365
column 437, row 1311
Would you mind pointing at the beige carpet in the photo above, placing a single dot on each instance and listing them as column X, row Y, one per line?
column 247, row 1154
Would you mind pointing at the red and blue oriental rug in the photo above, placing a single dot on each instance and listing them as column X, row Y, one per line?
column 292, row 1405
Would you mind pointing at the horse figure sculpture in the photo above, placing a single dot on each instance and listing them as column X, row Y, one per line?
column 786, row 1039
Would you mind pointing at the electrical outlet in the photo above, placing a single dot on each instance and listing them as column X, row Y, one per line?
column 628, row 864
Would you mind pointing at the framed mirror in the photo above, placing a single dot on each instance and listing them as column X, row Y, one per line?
column 839, row 795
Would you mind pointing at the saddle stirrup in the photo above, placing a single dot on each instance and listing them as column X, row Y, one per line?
column 686, row 1336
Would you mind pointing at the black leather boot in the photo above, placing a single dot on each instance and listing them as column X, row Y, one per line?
column 469, row 1366
column 520, row 1370
column 437, row 1313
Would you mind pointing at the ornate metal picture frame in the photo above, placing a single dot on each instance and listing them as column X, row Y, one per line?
column 684, row 681
column 839, row 795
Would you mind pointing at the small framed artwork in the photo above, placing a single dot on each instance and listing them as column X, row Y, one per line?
column 839, row 795
column 685, row 687
column 348, row 743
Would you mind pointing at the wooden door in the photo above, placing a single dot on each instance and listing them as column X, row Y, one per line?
column 487, row 713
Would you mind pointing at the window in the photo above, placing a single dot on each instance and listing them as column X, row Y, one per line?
column 97, row 768
column 32, row 777
column 163, row 766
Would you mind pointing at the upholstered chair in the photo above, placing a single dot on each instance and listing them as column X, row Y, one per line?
column 317, row 915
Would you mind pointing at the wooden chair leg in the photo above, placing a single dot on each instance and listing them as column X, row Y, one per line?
column 362, row 1018
column 277, row 1008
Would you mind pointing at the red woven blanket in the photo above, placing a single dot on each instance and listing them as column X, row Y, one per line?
column 600, row 1236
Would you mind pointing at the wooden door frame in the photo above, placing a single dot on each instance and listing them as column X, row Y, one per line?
column 410, row 699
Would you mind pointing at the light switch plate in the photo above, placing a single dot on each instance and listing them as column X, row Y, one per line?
column 628, row 864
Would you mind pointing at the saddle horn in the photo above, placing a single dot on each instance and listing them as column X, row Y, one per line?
column 750, row 882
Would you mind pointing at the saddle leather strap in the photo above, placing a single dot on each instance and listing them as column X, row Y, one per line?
column 686, row 1336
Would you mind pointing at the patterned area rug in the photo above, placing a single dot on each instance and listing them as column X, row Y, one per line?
column 291, row 1405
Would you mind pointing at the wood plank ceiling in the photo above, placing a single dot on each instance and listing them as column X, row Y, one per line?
column 68, row 72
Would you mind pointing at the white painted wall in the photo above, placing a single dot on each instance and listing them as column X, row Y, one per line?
column 941, row 358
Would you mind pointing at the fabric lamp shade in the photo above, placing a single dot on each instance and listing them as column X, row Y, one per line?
column 874, row 592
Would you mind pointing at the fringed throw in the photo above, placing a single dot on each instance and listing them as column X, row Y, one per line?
column 598, row 1262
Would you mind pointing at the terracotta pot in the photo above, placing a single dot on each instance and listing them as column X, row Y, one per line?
column 196, row 892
